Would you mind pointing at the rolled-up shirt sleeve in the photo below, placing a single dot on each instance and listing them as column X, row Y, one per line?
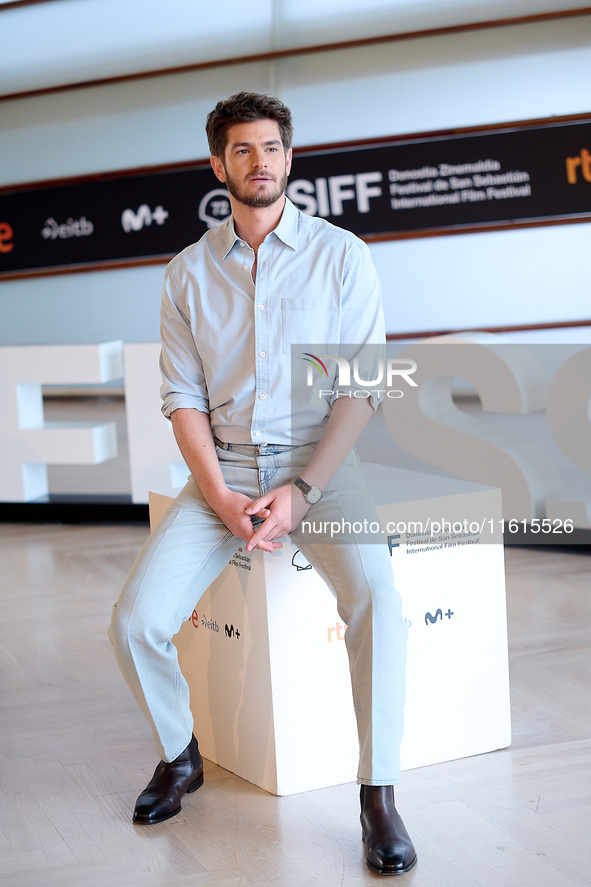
column 183, row 379
column 363, row 332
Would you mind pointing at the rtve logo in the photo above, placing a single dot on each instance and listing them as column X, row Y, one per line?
column 573, row 164
column 340, row 629
column 6, row 236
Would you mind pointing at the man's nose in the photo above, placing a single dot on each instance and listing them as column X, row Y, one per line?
column 258, row 160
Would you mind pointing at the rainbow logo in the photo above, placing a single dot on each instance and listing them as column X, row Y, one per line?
column 316, row 362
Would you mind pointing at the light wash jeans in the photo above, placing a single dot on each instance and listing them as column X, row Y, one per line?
column 189, row 549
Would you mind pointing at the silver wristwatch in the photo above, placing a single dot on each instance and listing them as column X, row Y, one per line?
column 312, row 495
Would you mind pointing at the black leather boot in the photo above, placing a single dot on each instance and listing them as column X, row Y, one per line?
column 161, row 798
column 390, row 850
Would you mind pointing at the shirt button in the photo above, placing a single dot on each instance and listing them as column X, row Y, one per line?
column 262, row 353
column 257, row 434
column 261, row 307
column 245, row 267
column 262, row 396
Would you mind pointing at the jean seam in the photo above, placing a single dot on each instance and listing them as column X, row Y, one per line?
column 356, row 702
column 178, row 674
column 170, row 634
column 348, row 644
column 229, row 535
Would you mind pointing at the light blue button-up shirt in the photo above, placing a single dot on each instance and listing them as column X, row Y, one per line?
column 227, row 341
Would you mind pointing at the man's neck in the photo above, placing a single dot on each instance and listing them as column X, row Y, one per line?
column 253, row 223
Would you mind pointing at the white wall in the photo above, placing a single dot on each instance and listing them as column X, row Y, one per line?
column 475, row 281
column 69, row 41
column 467, row 79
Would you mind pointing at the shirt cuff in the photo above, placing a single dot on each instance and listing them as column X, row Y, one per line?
column 370, row 394
column 176, row 401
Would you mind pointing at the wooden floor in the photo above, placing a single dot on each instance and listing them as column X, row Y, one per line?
column 75, row 752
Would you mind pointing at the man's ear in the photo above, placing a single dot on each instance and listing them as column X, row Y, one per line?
column 218, row 168
column 288, row 158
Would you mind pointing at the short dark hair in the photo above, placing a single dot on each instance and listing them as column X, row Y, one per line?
column 245, row 107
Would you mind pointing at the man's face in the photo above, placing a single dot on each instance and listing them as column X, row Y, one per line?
column 255, row 165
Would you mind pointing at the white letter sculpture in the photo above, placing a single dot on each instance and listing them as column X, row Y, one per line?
column 28, row 443
column 508, row 379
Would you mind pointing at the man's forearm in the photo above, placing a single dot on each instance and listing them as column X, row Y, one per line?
column 192, row 431
column 348, row 418
column 193, row 434
column 346, row 422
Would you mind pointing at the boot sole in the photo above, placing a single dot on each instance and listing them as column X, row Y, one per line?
column 195, row 785
column 377, row 871
column 403, row 871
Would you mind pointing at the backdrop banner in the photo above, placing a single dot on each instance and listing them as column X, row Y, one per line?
column 439, row 184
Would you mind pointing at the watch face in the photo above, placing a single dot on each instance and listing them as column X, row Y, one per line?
column 314, row 495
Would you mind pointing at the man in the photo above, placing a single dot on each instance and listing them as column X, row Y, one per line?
column 232, row 306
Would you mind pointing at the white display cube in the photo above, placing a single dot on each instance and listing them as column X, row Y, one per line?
column 266, row 663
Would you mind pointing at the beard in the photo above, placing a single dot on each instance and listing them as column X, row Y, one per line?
column 258, row 200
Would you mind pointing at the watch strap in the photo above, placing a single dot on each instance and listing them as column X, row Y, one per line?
column 312, row 494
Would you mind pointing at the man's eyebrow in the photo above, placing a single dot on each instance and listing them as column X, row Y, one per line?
column 250, row 144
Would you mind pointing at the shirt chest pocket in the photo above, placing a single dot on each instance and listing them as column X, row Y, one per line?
column 306, row 322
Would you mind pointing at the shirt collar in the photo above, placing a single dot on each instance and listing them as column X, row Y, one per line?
column 286, row 230
column 228, row 236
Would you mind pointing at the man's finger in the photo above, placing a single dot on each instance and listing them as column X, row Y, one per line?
column 269, row 546
column 259, row 537
column 256, row 506
column 253, row 542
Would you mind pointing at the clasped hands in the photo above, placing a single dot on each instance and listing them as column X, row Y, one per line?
column 281, row 510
